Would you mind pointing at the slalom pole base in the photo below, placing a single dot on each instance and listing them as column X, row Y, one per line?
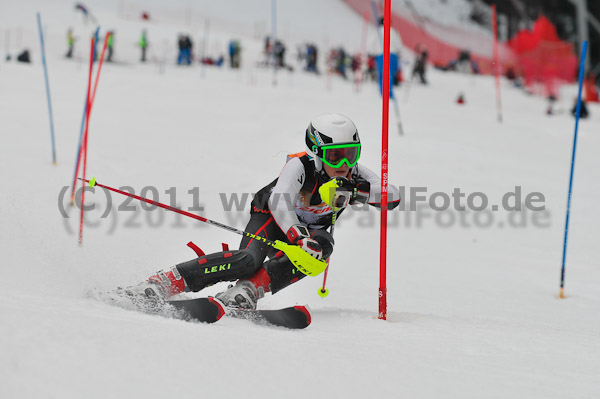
column 323, row 292
column 562, row 293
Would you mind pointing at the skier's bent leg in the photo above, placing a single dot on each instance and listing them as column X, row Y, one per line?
column 207, row 270
column 221, row 266
column 278, row 273
column 246, row 293
column 197, row 274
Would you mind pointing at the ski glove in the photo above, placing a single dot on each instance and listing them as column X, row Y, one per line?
column 339, row 192
column 300, row 236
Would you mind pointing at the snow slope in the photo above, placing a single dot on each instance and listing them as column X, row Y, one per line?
column 472, row 310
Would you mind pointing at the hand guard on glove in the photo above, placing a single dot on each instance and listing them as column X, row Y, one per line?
column 300, row 236
column 339, row 192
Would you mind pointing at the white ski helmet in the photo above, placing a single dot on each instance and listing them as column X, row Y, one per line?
column 333, row 139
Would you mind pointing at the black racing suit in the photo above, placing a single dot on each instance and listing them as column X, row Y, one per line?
column 292, row 198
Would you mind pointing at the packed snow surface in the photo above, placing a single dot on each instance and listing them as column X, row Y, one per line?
column 473, row 309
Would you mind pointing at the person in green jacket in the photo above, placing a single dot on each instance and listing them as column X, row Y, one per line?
column 109, row 45
column 143, row 44
column 70, row 42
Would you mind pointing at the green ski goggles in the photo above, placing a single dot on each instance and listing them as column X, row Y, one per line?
column 336, row 155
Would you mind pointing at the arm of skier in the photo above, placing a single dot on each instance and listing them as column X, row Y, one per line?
column 285, row 194
column 364, row 173
column 281, row 204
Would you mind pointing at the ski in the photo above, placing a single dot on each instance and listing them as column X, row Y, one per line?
column 211, row 310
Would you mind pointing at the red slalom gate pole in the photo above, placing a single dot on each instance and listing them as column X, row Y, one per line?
column 84, row 144
column 384, row 162
column 89, row 102
column 100, row 66
column 496, row 62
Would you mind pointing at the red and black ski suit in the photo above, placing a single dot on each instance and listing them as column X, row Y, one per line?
column 292, row 198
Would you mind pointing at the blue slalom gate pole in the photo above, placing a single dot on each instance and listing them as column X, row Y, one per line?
column 39, row 21
column 577, row 110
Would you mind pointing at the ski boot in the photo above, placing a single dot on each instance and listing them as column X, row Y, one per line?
column 151, row 295
column 244, row 295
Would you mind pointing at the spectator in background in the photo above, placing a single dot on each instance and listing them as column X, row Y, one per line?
column 70, row 43
column 143, row 43
column 420, row 66
column 371, row 72
column 109, row 45
column 510, row 73
column 340, row 62
column 179, row 49
column 24, row 57
column 583, row 111
column 268, row 50
column 590, row 90
column 279, row 50
column 189, row 49
column 375, row 46
column 551, row 101
column 235, row 50
column 311, row 58
column 463, row 62
column 184, row 44
column 96, row 37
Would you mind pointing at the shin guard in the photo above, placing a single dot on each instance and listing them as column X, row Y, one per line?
column 282, row 273
column 221, row 266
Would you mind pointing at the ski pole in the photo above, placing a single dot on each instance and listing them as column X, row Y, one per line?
column 326, row 192
column 323, row 292
column 300, row 258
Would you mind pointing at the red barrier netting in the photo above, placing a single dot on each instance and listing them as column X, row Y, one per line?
column 443, row 43
column 539, row 56
column 542, row 58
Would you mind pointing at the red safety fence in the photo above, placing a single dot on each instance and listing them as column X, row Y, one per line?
column 539, row 56
column 542, row 58
column 443, row 43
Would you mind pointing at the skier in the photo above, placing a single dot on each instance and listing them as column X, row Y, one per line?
column 289, row 209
